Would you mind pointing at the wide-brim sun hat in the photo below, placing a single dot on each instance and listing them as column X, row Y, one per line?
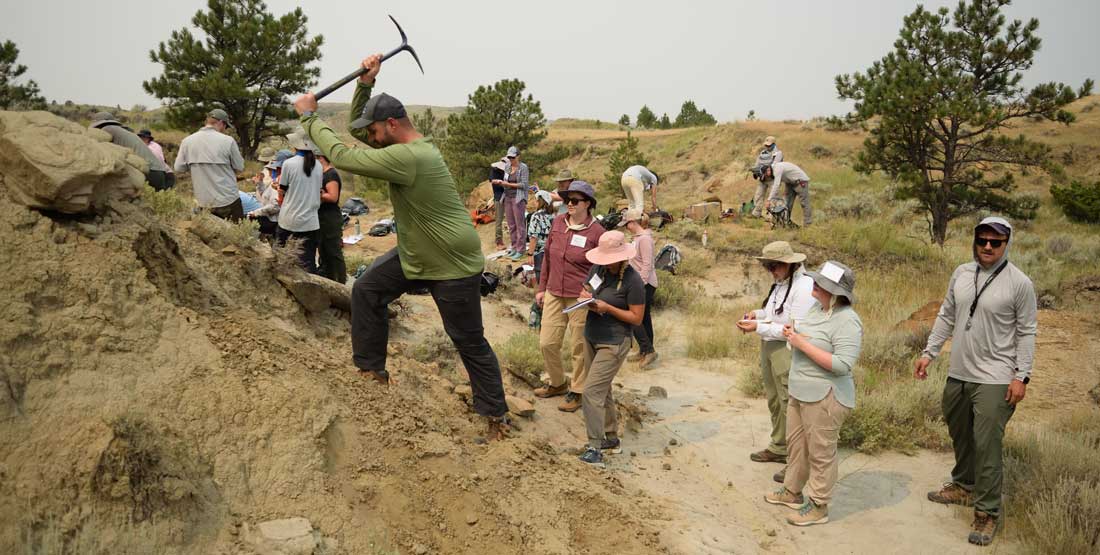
column 564, row 175
column 299, row 141
column 631, row 215
column 583, row 188
column 769, row 141
column 780, row 251
column 545, row 196
column 100, row 119
column 836, row 278
column 267, row 154
column 611, row 248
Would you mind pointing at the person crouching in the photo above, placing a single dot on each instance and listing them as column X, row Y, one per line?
column 619, row 305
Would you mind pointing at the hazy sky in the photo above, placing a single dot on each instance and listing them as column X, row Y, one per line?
column 594, row 58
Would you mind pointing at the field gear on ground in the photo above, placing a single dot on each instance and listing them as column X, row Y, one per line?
column 668, row 258
column 403, row 47
column 489, row 283
column 355, row 206
column 382, row 228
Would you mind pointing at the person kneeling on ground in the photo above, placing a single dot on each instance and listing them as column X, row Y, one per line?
column 826, row 347
column 637, row 223
column 619, row 304
column 437, row 245
column 788, row 300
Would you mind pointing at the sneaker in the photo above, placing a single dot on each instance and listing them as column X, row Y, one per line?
column 983, row 528
column 593, row 457
column 548, row 390
column 780, row 476
column 649, row 360
column 612, row 445
column 766, row 456
column 951, row 494
column 783, row 496
column 378, row 376
column 518, row 256
column 571, row 403
column 810, row 513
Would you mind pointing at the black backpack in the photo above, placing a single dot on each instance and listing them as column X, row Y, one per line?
column 354, row 206
column 668, row 258
column 489, row 283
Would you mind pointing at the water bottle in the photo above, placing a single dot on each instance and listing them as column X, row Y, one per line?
column 358, row 231
column 704, row 237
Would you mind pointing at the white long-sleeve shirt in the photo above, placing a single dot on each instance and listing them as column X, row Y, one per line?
column 769, row 324
column 785, row 172
column 642, row 173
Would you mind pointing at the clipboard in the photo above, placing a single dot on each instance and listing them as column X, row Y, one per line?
column 579, row 304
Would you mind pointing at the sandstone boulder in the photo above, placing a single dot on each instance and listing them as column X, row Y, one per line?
column 50, row 163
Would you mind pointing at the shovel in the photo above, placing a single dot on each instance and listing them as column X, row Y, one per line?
column 355, row 74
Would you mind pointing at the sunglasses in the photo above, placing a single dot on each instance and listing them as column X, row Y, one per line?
column 575, row 200
column 769, row 266
column 995, row 243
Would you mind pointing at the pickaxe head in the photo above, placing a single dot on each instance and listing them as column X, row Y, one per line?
column 404, row 46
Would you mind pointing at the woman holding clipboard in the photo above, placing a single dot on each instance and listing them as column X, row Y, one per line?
column 616, row 295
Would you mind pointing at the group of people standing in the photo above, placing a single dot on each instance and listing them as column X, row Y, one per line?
column 811, row 339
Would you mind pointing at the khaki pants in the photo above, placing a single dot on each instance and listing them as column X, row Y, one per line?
column 551, row 335
column 775, row 365
column 813, row 430
column 601, row 416
column 802, row 191
column 759, row 197
column 634, row 190
column 976, row 416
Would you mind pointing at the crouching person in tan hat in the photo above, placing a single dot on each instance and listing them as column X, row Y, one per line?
column 788, row 300
column 618, row 304
column 825, row 349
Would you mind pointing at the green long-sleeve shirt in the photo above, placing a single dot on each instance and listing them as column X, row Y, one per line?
column 436, row 239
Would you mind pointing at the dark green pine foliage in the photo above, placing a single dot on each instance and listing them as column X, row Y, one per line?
column 13, row 96
column 248, row 64
column 941, row 106
column 691, row 116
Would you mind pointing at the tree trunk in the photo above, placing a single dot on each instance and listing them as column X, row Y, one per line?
column 939, row 224
column 248, row 149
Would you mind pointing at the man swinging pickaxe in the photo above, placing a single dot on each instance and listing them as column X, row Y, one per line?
column 437, row 246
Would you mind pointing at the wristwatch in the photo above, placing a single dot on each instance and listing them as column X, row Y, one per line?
column 307, row 113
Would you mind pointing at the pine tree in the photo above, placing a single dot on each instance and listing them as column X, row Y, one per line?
column 496, row 117
column 25, row 96
column 646, row 118
column 942, row 104
column 248, row 64
column 665, row 123
column 431, row 126
column 626, row 154
column 692, row 116
column 624, row 121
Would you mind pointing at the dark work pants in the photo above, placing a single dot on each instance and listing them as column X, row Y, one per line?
column 331, row 247
column 307, row 256
column 643, row 333
column 976, row 417
column 233, row 211
column 459, row 304
column 157, row 180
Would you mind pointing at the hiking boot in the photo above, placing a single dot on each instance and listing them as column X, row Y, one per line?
column 780, row 476
column 548, row 390
column 810, row 513
column 635, row 357
column 612, row 445
column 500, row 428
column 378, row 376
column 951, row 494
column 649, row 360
column 593, row 457
column 785, row 497
column 983, row 528
column 571, row 403
column 766, row 456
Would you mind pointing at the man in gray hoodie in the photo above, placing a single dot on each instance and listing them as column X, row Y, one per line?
column 990, row 316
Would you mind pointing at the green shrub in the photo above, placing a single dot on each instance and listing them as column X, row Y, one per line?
column 1059, row 244
column 819, row 151
column 750, row 382
column 854, row 206
column 673, row 291
column 1079, row 201
column 896, row 414
column 521, row 353
column 167, row 204
column 436, row 347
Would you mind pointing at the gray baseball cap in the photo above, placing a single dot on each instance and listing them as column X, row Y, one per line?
column 219, row 114
column 379, row 108
column 513, row 152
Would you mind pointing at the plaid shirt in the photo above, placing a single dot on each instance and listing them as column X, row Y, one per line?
column 522, row 176
column 539, row 228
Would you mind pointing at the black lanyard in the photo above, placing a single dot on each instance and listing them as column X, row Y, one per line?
column 978, row 293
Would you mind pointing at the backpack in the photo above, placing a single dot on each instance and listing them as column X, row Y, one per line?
column 668, row 258
column 354, row 206
column 763, row 160
column 489, row 282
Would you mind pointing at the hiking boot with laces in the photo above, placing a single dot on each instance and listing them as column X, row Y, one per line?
column 785, row 497
column 649, row 360
column 951, row 494
column 612, row 445
column 810, row 513
column 780, row 476
column 982, row 529
column 766, row 456
column 500, row 428
column 548, row 390
column 593, row 457
column 571, row 403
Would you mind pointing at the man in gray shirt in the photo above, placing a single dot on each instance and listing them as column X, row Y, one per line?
column 795, row 182
column 213, row 159
column 990, row 316
column 155, row 175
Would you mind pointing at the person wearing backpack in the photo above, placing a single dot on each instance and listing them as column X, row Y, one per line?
column 643, row 262
column 788, row 300
column 769, row 155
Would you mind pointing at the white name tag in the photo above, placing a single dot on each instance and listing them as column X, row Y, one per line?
column 832, row 272
column 578, row 241
column 595, row 282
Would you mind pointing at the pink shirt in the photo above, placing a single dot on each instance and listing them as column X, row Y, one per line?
column 157, row 150
column 643, row 260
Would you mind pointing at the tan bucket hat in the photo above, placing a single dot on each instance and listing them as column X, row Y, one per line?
column 769, row 141
column 780, row 251
column 631, row 215
column 612, row 248
column 267, row 154
column 564, row 175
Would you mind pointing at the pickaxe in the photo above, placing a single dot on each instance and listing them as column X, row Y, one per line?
column 355, row 74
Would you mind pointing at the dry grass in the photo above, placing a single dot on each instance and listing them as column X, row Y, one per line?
column 521, row 353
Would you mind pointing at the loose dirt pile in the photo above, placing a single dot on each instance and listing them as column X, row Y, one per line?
column 164, row 393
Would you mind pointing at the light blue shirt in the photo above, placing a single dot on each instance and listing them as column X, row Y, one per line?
column 249, row 202
column 840, row 334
